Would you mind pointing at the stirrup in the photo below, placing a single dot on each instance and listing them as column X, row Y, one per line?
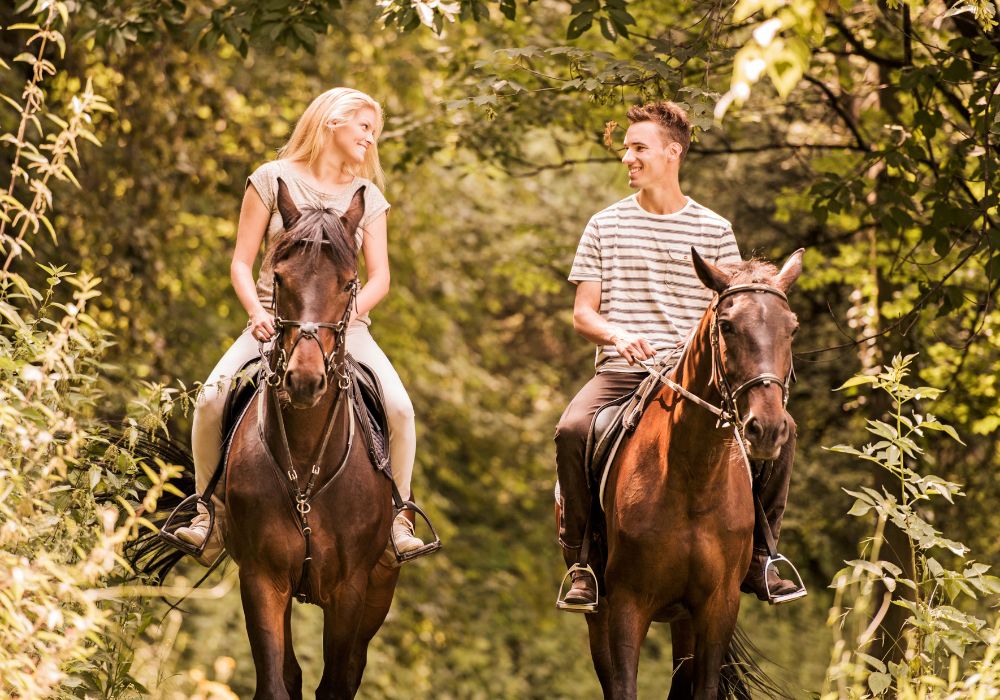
column 578, row 607
column 800, row 592
column 181, row 516
column 428, row 548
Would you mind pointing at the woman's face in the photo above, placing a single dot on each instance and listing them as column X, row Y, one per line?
column 353, row 138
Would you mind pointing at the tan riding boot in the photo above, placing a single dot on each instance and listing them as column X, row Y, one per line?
column 403, row 535
column 197, row 532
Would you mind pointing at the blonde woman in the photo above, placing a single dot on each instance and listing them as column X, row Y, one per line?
column 332, row 152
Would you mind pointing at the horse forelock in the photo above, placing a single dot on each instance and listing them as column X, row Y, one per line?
column 752, row 271
column 314, row 228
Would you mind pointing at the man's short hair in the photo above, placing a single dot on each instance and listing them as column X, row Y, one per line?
column 672, row 119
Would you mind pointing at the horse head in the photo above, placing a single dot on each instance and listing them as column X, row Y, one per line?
column 752, row 333
column 315, row 282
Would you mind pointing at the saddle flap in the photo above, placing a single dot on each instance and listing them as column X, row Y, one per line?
column 371, row 411
column 612, row 422
column 244, row 386
column 604, row 429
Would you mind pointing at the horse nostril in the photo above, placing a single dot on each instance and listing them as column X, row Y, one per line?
column 753, row 428
column 783, row 432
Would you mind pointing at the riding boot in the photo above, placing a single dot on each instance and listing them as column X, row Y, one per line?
column 582, row 594
column 755, row 583
column 200, row 530
column 403, row 537
column 403, row 533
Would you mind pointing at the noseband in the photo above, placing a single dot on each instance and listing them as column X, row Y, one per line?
column 276, row 364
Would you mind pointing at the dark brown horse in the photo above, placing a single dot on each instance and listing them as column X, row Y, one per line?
column 308, row 515
column 678, row 503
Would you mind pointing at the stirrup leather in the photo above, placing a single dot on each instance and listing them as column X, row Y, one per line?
column 181, row 516
column 428, row 548
column 578, row 607
column 772, row 562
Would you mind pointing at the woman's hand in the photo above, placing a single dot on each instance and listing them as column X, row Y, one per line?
column 262, row 325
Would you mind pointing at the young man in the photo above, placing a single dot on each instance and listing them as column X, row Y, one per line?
column 637, row 297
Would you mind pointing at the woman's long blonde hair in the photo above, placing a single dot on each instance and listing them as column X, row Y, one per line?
column 334, row 107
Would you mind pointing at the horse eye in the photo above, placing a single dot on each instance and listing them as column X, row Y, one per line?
column 725, row 326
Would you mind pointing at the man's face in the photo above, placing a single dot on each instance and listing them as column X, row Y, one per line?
column 649, row 155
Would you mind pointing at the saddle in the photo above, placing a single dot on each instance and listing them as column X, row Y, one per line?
column 366, row 395
column 611, row 424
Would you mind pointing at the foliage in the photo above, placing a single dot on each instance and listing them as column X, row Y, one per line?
column 496, row 154
column 941, row 635
column 68, row 492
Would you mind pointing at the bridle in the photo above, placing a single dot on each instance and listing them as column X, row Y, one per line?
column 719, row 378
column 728, row 413
column 275, row 367
column 276, row 360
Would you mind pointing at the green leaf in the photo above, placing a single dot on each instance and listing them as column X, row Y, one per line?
column 579, row 24
column 879, row 682
column 857, row 380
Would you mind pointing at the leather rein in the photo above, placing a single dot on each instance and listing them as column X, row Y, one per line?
column 275, row 367
column 728, row 413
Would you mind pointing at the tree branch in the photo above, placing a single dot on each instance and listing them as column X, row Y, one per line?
column 860, row 49
column 839, row 109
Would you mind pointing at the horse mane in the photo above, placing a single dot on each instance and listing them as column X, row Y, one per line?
column 752, row 271
column 316, row 228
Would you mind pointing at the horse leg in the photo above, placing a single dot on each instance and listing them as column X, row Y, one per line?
column 292, row 674
column 627, row 627
column 265, row 607
column 682, row 645
column 600, row 650
column 342, row 616
column 378, row 600
column 714, row 623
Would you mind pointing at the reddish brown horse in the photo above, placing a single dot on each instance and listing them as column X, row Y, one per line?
column 308, row 515
column 680, row 514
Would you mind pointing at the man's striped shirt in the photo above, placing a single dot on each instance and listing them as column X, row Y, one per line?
column 643, row 262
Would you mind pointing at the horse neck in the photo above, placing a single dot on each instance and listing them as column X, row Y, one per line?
column 694, row 373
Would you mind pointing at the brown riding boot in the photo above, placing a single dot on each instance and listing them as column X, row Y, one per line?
column 754, row 582
column 582, row 594
column 583, row 591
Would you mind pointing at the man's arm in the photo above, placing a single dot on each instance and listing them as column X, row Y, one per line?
column 588, row 322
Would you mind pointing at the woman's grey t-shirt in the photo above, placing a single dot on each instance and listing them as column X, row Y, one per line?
column 265, row 181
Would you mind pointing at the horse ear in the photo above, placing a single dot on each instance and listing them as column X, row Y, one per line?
column 710, row 276
column 790, row 271
column 355, row 212
column 286, row 207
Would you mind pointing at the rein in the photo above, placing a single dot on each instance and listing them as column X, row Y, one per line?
column 334, row 362
column 728, row 413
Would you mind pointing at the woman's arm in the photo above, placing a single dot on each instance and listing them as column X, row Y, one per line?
column 254, row 217
column 375, row 250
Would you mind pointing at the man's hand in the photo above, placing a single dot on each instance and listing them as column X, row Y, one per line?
column 632, row 347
